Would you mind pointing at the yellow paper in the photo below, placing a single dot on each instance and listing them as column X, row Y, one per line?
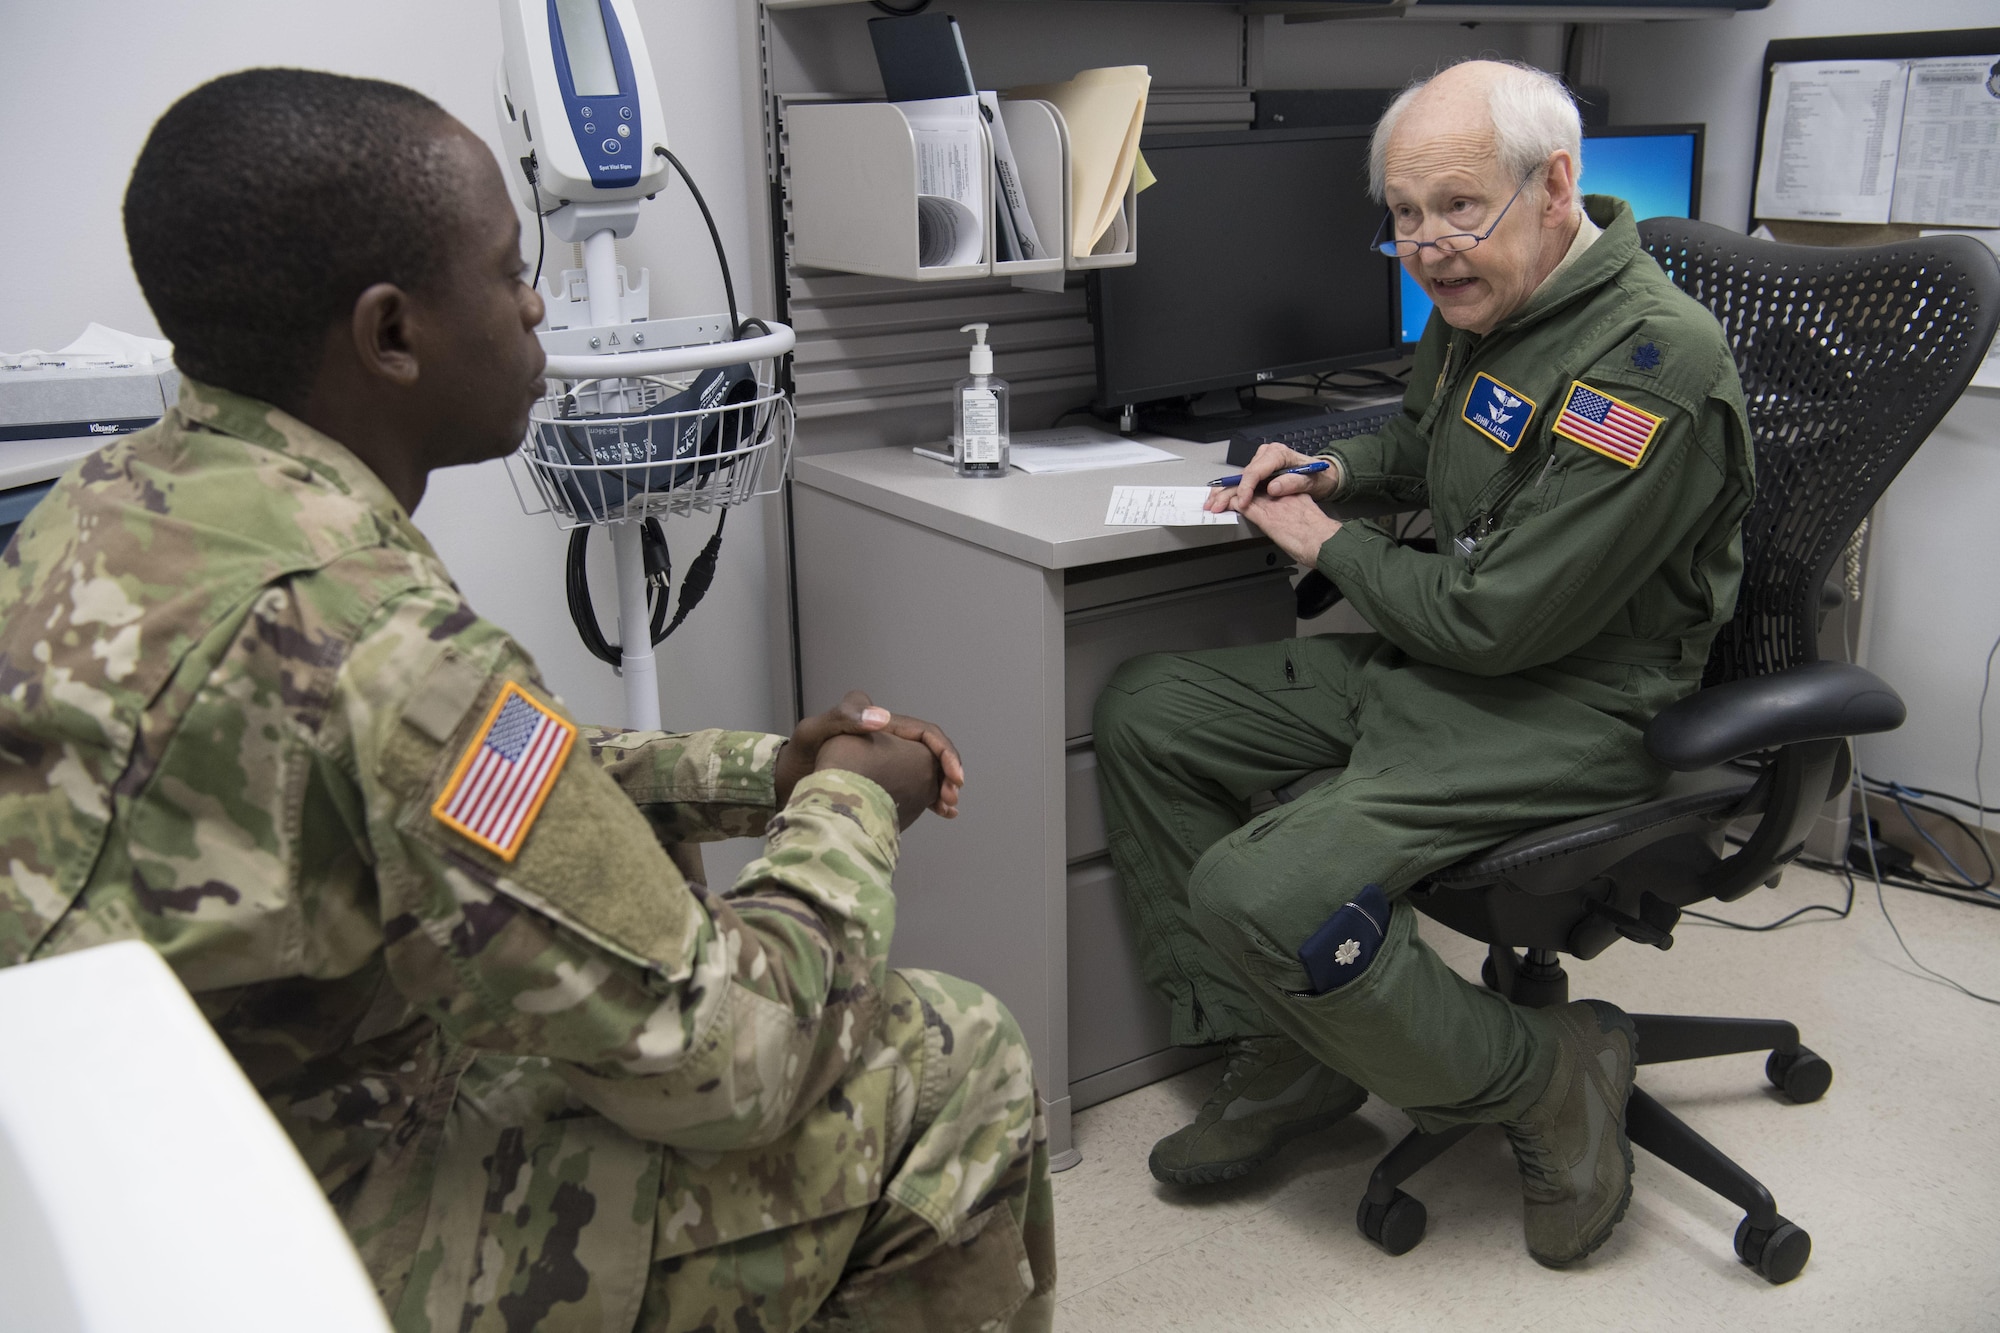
column 1104, row 109
column 1142, row 176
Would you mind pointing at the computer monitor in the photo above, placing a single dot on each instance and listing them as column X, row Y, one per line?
column 1253, row 266
column 1654, row 168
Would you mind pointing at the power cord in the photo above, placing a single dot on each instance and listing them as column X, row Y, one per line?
column 736, row 324
column 1858, row 784
column 659, row 565
column 1881, row 901
column 652, row 538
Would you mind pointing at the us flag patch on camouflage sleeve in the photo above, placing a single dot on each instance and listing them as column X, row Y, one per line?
column 506, row 773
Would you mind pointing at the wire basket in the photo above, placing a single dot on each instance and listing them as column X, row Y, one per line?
column 614, row 448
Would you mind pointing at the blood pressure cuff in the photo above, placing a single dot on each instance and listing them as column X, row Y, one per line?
column 692, row 445
column 1346, row 942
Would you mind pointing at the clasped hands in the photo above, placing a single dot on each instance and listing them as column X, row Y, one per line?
column 911, row 759
column 1284, row 506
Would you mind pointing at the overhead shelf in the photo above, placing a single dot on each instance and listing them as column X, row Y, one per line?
column 1448, row 11
column 852, row 187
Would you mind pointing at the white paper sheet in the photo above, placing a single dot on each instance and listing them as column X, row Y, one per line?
column 1161, row 506
column 1830, row 140
column 1948, row 164
column 1080, row 449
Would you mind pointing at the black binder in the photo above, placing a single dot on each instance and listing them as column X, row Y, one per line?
column 921, row 57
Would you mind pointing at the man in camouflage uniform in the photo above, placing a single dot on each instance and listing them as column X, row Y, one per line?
column 547, row 1078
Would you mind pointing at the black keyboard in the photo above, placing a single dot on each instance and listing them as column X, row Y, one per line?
column 1311, row 435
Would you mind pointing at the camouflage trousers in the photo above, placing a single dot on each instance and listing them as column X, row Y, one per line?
column 963, row 1235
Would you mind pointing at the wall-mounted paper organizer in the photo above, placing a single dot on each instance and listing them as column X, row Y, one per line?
column 853, row 194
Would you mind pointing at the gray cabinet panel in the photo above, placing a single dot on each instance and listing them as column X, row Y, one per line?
column 1083, row 810
column 1113, row 1018
column 1257, row 609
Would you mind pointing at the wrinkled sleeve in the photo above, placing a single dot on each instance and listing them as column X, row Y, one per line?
column 1392, row 464
column 698, row 786
column 1542, row 588
column 701, row 1021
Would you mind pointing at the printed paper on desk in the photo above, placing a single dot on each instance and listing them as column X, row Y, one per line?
column 1080, row 449
column 1161, row 506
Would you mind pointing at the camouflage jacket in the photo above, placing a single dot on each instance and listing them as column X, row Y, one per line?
column 237, row 688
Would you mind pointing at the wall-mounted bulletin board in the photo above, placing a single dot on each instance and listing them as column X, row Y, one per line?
column 1878, row 137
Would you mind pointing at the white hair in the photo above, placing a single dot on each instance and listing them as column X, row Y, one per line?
column 1533, row 116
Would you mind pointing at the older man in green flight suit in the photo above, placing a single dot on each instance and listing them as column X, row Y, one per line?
column 1575, row 426
column 457, row 941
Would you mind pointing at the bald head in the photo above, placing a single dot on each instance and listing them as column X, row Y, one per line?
column 1521, row 115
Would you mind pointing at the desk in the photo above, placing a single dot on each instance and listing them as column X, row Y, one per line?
column 998, row 609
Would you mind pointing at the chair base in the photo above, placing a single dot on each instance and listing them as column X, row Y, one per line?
column 1765, row 1240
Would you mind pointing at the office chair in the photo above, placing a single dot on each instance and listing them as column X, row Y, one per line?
column 1849, row 358
column 144, row 1185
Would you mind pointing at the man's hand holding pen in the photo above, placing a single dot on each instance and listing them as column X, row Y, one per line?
column 1279, row 490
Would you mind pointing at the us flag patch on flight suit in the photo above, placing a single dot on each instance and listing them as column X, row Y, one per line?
column 1606, row 425
column 506, row 773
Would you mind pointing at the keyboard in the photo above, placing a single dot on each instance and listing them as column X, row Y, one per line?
column 1311, row 435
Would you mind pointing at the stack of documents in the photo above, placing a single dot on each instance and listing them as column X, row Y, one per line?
column 951, row 180
column 925, row 71
column 1105, row 110
column 1883, row 141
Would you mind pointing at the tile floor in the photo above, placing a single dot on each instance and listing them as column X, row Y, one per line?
column 1896, row 1172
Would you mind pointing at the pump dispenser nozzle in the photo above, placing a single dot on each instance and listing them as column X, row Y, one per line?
column 982, row 355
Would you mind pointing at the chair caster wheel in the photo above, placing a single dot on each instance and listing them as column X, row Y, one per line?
column 1801, row 1075
column 1488, row 977
column 1397, row 1226
column 1778, row 1255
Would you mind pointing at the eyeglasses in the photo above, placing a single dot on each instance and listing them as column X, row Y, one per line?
column 1456, row 243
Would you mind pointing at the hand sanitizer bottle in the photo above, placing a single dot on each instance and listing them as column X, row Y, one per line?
column 979, row 414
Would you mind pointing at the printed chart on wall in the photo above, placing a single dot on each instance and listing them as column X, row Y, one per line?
column 1877, row 141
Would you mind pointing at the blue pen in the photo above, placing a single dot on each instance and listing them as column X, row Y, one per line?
column 1304, row 469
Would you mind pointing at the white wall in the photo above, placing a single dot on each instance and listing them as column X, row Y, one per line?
column 84, row 80
column 1933, row 604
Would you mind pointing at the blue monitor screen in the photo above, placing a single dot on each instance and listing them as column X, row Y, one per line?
column 1655, row 172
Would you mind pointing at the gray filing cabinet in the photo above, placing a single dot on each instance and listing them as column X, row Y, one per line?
column 999, row 609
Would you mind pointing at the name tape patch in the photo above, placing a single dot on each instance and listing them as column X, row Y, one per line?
column 506, row 773
column 1606, row 425
column 1497, row 412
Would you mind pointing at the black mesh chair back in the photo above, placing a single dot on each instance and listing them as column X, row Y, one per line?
column 1849, row 358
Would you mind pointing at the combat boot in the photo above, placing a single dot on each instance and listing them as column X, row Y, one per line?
column 1272, row 1091
column 1575, row 1160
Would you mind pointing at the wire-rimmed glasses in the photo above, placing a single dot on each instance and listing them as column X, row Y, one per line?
column 1457, row 242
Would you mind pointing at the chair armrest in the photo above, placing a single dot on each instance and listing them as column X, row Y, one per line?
column 1813, row 701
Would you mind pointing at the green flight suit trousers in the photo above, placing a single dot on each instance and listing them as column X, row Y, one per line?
column 1438, row 764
